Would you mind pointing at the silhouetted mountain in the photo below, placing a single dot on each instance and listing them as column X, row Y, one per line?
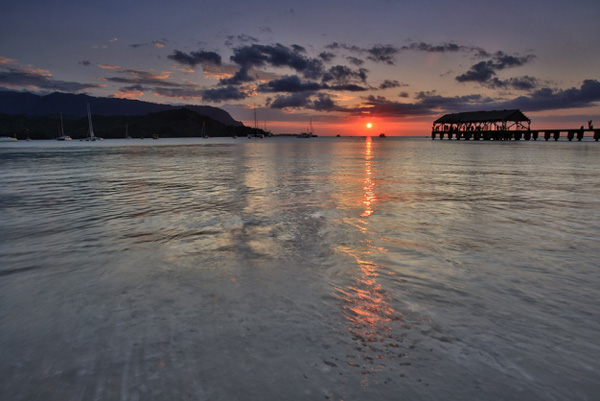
column 173, row 123
column 74, row 105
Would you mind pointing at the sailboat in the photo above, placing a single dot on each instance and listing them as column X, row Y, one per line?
column 91, row 136
column 310, row 133
column 62, row 136
column 256, row 133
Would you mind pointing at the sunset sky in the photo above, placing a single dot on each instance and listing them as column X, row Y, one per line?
column 342, row 63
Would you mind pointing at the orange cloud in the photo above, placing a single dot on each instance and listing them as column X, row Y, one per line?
column 131, row 94
column 109, row 67
column 6, row 60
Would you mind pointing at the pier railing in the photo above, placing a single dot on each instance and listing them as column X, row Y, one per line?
column 507, row 135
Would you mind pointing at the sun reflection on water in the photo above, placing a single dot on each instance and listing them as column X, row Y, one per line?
column 368, row 184
column 373, row 322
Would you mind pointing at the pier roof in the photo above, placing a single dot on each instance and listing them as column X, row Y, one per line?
column 482, row 116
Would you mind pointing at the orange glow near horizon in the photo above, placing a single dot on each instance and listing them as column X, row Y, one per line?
column 351, row 126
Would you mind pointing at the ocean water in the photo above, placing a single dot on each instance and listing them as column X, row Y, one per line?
column 299, row 269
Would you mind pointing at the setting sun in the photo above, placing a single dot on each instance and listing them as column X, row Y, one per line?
column 369, row 125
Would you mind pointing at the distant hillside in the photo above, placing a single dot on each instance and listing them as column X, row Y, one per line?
column 173, row 123
column 72, row 105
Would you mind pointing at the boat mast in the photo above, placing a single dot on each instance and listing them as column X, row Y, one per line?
column 91, row 132
column 255, row 120
column 62, row 130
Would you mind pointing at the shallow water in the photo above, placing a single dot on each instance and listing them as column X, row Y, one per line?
column 284, row 268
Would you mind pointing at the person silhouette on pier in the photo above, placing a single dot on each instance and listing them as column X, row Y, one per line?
column 590, row 125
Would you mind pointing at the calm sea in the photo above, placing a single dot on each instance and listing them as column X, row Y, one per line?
column 299, row 269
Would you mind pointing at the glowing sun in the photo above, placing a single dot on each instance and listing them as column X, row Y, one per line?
column 369, row 125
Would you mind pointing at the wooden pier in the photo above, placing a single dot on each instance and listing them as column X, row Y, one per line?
column 501, row 125
column 508, row 135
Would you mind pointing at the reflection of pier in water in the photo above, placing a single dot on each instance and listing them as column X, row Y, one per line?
column 374, row 322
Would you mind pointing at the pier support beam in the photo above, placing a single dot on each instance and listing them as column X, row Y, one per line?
column 580, row 135
column 556, row 135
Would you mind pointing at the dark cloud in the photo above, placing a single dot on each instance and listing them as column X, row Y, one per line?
column 347, row 87
column 277, row 55
column 342, row 75
column 290, row 84
column 223, row 94
column 355, row 61
column 433, row 101
column 524, row 83
column 382, row 53
column 387, row 84
column 17, row 77
column 134, row 88
column 139, row 77
column 305, row 100
column 85, row 63
column 552, row 99
column 484, row 72
column 326, row 56
column 446, row 48
column 541, row 100
column 344, row 46
column 427, row 103
column 324, row 102
column 426, row 47
column 194, row 58
column 293, row 84
column 294, row 101
column 385, row 53
column 232, row 39
column 502, row 60
column 298, row 49
column 481, row 72
column 380, row 106
column 240, row 77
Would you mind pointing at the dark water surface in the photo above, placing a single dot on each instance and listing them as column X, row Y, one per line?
column 299, row 269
